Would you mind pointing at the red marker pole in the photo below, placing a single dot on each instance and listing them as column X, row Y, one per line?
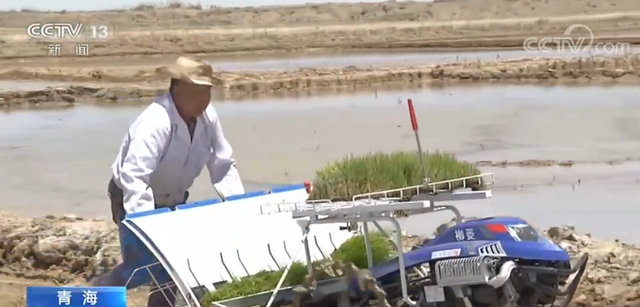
column 414, row 126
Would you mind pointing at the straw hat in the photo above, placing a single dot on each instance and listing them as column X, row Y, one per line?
column 193, row 70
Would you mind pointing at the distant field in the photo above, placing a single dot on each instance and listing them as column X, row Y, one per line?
column 179, row 29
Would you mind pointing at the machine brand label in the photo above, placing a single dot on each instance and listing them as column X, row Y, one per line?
column 446, row 253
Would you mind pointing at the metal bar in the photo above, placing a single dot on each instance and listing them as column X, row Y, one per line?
column 456, row 196
column 158, row 285
column 222, row 197
column 439, row 208
column 135, row 271
column 315, row 238
column 242, row 263
column 307, row 251
column 414, row 126
column 272, row 257
column 359, row 208
column 367, row 244
column 385, row 233
column 331, row 240
column 346, row 218
column 403, row 273
column 285, row 249
column 311, row 201
column 185, row 291
column 164, row 286
column 431, row 185
column 192, row 274
column 161, row 287
column 304, row 242
column 225, row 267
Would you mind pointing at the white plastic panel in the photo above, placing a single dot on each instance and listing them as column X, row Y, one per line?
column 193, row 237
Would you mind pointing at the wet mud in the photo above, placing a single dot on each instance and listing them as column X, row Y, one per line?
column 116, row 83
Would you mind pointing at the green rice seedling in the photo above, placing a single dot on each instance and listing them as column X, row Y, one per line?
column 353, row 250
column 260, row 282
column 373, row 172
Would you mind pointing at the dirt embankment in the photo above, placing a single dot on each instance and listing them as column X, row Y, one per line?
column 117, row 82
column 451, row 24
column 71, row 250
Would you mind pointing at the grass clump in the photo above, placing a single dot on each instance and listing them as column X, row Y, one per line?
column 373, row 172
column 353, row 250
column 260, row 282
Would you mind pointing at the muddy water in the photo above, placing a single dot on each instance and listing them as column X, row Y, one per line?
column 294, row 61
column 594, row 198
column 24, row 85
column 57, row 162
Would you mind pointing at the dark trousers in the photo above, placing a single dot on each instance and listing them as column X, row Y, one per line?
column 115, row 278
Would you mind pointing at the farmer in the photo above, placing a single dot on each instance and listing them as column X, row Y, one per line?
column 163, row 152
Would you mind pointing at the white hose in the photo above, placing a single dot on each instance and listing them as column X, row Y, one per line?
column 503, row 275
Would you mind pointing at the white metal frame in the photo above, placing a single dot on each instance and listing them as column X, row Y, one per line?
column 368, row 209
column 484, row 179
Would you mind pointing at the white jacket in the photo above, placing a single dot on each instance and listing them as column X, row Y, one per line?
column 158, row 162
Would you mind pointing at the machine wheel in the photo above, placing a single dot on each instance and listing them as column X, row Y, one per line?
column 566, row 295
column 573, row 287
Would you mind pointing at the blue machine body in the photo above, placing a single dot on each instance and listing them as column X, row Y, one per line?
column 518, row 240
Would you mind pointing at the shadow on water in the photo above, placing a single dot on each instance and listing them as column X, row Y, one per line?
column 59, row 160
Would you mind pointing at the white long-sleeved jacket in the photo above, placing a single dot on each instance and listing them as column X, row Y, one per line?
column 158, row 161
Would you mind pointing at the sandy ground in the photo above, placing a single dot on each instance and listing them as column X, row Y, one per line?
column 452, row 24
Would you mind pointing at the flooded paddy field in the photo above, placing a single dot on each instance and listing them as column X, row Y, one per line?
column 59, row 160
